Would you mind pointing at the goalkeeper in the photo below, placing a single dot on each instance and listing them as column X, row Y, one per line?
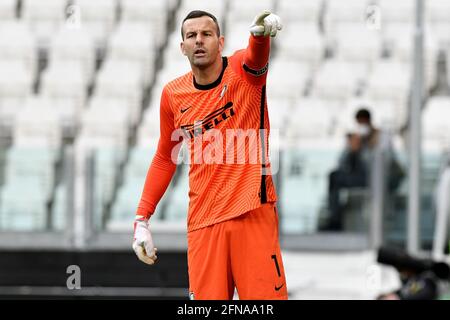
column 232, row 219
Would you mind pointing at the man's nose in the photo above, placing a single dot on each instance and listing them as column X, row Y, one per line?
column 199, row 39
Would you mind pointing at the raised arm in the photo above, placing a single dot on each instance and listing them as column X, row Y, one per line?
column 252, row 62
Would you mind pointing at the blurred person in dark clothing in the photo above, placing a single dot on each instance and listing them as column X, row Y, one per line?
column 353, row 167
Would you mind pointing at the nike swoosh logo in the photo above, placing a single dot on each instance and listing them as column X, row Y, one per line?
column 278, row 288
column 184, row 110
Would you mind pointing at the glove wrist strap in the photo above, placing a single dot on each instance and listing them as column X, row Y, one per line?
column 141, row 218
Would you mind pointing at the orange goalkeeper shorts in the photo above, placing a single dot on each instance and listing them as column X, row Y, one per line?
column 243, row 252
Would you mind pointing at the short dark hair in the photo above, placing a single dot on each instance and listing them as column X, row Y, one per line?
column 363, row 114
column 198, row 14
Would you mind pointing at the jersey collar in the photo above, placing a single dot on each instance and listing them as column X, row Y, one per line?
column 215, row 83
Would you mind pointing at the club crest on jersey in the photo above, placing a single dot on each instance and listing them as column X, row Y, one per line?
column 211, row 121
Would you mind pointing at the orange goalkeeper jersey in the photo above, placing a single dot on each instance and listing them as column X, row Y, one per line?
column 227, row 177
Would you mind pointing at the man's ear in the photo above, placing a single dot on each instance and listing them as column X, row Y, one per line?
column 221, row 43
column 182, row 48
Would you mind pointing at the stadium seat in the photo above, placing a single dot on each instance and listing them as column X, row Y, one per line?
column 173, row 51
column 291, row 225
column 38, row 125
column 60, row 209
column 44, row 17
column 292, row 11
column 339, row 80
column 337, row 12
column 440, row 33
column 395, row 33
column 448, row 63
column 401, row 48
column 171, row 71
column 288, row 79
column 175, row 63
column 301, row 42
column 128, row 195
column 132, row 43
column 438, row 15
column 8, row 10
column 97, row 163
column 245, row 11
column 435, row 119
column 43, row 156
column 65, row 84
column 89, row 143
column 310, row 118
column 153, row 15
column 356, row 42
column 434, row 159
column 72, row 45
column 112, row 123
column 122, row 81
column 177, row 209
column 438, row 10
column 105, row 105
column 17, row 43
column 403, row 11
column 19, row 212
column 99, row 17
column 139, row 161
column 32, row 163
column 124, row 207
column 149, row 127
column 237, row 37
column 390, row 80
column 143, row 139
column 280, row 110
column 298, row 216
column 304, row 172
column 15, row 87
column 172, row 4
column 106, row 170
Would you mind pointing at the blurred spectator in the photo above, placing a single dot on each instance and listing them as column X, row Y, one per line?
column 353, row 167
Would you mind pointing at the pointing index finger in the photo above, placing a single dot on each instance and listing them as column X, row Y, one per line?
column 262, row 16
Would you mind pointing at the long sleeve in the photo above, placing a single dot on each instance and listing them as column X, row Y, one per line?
column 252, row 62
column 162, row 168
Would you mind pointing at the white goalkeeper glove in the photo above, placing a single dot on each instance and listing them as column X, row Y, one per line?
column 143, row 242
column 266, row 23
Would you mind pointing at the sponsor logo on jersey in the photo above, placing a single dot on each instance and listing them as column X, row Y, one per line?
column 211, row 121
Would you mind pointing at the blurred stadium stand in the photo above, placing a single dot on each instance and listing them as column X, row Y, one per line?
column 80, row 83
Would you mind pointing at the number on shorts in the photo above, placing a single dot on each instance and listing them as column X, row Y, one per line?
column 274, row 257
